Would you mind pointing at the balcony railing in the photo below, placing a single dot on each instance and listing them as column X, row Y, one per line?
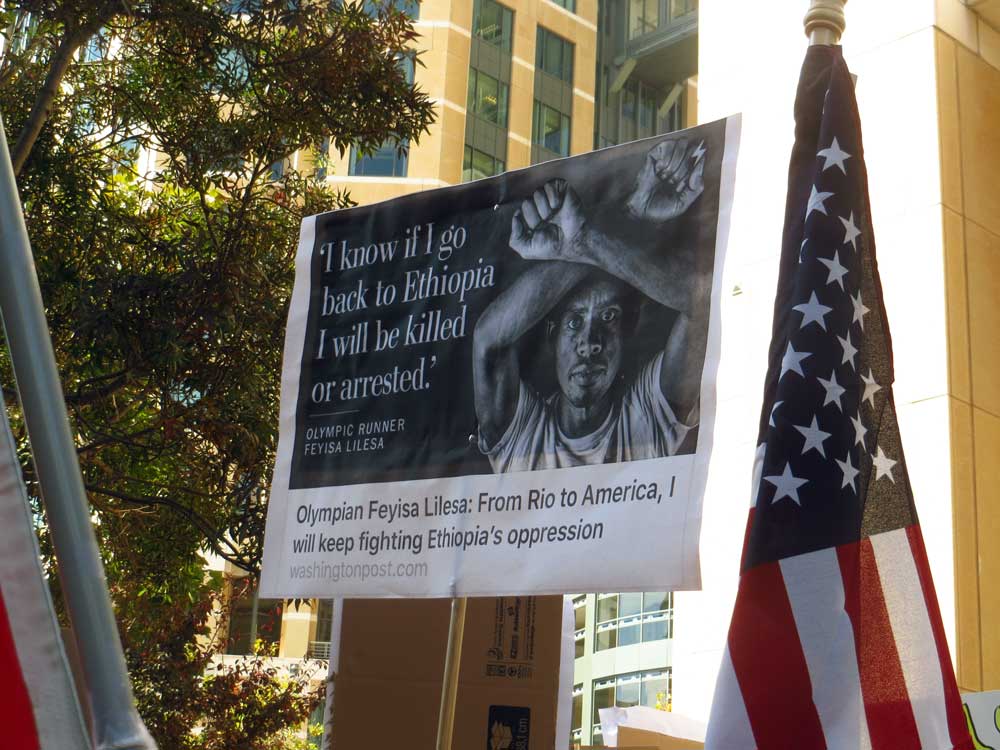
column 318, row 650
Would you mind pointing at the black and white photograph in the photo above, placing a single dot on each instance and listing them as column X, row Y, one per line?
column 487, row 378
column 547, row 318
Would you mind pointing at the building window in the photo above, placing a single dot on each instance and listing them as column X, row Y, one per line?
column 554, row 55
column 97, row 47
column 493, row 23
column 251, row 620
column 410, row 8
column 550, row 129
column 627, row 126
column 478, row 164
column 630, row 618
column 652, row 689
column 643, row 17
column 569, row 5
column 576, row 717
column 277, row 170
column 487, row 98
column 387, row 161
column 580, row 624
column 322, row 162
column 681, row 8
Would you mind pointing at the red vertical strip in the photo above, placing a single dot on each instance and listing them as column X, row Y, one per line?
column 770, row 666
column 891, row 724
column 957, row 728
column 17, row 719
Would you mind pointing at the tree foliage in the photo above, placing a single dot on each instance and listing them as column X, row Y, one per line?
column 166, row 280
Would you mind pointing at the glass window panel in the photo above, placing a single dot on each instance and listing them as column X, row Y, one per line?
column 628, row 692
column 681, row 8
column 478, row 164
column 604, row 697
column 654, row 601
column 408, row 66
column 240, row 619
column 643, row 16
column 322, row 160
column 493, row 23
column 655, row 630
column 552, row 62
column 628, row 634
column 551, row 130
column 488, row 98
column 629, row 604
column 607, row 608
column 554, row 55
column 605, row 639
column 647, row 112
column 482, row 164
column 324, row 619
column 508, row 30
column 580, row 647
column 655, row 690
column 269, row 620
column 580, row 617
column 577, row 716
column 410, row 7
column 385, row 162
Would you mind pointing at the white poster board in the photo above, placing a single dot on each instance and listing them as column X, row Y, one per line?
column 506, row 386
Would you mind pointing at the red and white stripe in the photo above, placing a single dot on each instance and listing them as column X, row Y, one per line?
column 38, row 705
column 841, row 649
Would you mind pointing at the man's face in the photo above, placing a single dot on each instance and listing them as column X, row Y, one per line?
column 588, row 342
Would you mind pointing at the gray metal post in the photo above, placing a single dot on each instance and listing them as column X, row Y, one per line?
column 116, row 722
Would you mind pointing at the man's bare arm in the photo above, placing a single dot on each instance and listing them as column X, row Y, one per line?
column 667, row 185
column 495, row 372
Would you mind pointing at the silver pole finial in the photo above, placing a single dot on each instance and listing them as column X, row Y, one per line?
column 825, row 21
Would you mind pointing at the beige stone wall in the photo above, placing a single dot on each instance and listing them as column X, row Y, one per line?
column 298, row 627
column 969, row 96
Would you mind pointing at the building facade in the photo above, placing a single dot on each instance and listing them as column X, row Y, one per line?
column 513, row 83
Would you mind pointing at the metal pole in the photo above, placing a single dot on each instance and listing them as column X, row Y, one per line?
column 825, row 21
column 452, row 667
column 116, row 722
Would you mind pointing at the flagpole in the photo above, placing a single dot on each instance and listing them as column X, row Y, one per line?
column 825, row 21
column 452, row 668
column 116, row 723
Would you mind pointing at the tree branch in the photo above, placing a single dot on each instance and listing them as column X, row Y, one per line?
column 58, row 65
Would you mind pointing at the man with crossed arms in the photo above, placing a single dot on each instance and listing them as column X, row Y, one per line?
column 582, row 284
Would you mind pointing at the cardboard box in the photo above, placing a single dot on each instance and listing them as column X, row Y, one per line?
column 634, row 739
column 387, row 690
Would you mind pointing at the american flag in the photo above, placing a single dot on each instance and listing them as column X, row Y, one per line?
column 836, row 639
column 39, row 709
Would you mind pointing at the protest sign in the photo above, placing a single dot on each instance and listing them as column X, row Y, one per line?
column 982, row 714
column 506, row 386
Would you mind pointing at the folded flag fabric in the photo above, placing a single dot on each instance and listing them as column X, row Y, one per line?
column 39, row 709
column 836, row 639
